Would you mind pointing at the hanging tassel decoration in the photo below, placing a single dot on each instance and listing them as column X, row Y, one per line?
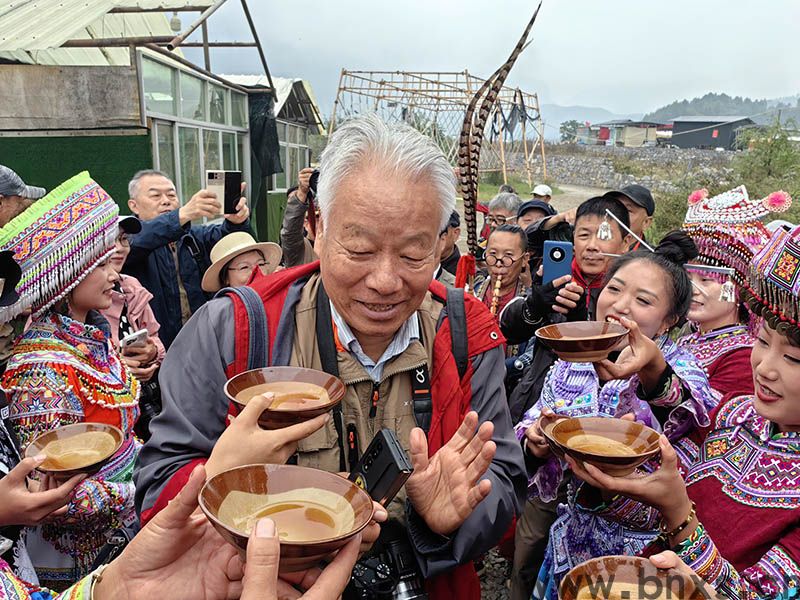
column 604, row 232
column 465, row 272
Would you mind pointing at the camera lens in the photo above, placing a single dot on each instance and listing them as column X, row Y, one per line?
column 556, row 254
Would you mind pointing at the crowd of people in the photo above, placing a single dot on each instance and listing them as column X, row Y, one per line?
column 711, row 362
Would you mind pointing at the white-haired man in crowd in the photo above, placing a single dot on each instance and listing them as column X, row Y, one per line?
column 368, row 312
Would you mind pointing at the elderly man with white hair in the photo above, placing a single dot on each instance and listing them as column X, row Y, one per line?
column 414, row 357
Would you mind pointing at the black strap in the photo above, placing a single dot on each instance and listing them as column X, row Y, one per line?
column 423, row 399
column 457, row 316
column 125, row 327
column 330, row 364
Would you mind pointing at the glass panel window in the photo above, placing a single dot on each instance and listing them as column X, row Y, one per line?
column 189, row 148
column 165, row 141
column 158, row 81
column 292, row 134
column 229, row 151
column 303, row 136
column 192, row 97
column 211, row 149
column 216, row 103
column 280, row 181
column 244, row 153
column 238, row 109
column 292, row 166
column 282, row 131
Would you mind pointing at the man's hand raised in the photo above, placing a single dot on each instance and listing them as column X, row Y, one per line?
column 445, row 488
column 202, row 204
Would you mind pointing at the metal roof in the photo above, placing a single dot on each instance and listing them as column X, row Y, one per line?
column 32, row 31
column 709, row 119
column 284, row 87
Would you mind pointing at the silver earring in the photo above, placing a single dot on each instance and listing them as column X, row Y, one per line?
column 728, row 292
column 604, row 231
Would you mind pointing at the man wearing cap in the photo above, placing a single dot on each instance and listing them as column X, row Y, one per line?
column 450, row 252
column 532, row 211
column 15, row 195
column 641, row 206
column 542, row 192
column 170, row 254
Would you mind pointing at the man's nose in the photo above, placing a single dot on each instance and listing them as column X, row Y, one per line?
column 383, row 278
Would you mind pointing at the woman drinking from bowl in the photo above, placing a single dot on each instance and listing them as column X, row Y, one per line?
column 65, row 369
column 728, row 230
column 652, row 379
column 729, row 508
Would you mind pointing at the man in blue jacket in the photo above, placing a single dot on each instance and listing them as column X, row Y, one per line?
column 170, row 254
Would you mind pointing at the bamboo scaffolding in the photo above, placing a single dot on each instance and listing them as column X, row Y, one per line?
column 435, row 102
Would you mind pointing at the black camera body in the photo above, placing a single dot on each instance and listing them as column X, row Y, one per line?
column 383, row 468
column 390, row 574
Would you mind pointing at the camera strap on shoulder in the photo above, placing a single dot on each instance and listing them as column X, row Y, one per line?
column 420, row 377
column 330, row 364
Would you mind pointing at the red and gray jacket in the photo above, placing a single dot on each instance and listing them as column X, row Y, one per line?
column 217, row 343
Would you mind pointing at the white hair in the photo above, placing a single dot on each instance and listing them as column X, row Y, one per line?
column 397, row 148
column 505, row 201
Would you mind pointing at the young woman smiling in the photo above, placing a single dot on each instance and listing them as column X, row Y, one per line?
column 651, row 380
column 65, row 369
column 730, row 507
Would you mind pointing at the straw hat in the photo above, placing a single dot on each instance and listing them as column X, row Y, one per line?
column 231, row 246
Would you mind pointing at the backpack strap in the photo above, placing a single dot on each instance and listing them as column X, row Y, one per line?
column 258, row 328
column 457, row 316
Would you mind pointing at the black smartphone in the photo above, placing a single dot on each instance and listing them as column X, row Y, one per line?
column 227, row 185
column 383, row 468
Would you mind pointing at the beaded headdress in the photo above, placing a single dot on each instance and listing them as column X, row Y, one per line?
column 59, row 240
column 728, row 229
column 774, row 277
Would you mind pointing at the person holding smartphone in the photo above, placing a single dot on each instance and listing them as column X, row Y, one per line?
column 134, row 328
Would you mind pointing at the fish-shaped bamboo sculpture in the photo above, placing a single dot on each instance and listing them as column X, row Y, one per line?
column 469, row 149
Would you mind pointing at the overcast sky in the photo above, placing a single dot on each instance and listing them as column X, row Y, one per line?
column 629, row 56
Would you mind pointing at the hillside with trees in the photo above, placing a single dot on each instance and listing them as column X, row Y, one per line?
column 714, row 104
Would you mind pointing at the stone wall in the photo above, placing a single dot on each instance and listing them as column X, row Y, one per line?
column 611, row 168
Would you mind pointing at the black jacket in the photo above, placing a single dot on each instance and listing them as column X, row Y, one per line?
column 517, row 327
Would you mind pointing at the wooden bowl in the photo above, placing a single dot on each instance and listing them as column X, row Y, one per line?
column 275, row 479
column 546, row 425
column 646, row 581
column 277, row 419
column 582, row 341
column 641, row 440
column 91, row 465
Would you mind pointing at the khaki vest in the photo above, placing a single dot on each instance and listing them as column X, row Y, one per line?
column 395, row 408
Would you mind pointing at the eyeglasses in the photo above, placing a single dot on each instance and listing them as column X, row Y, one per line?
column 124, row 241
column 500, row 220
column 245, row 268
column 506, row 261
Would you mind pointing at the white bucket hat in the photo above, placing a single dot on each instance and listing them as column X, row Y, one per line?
column 231, row 246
